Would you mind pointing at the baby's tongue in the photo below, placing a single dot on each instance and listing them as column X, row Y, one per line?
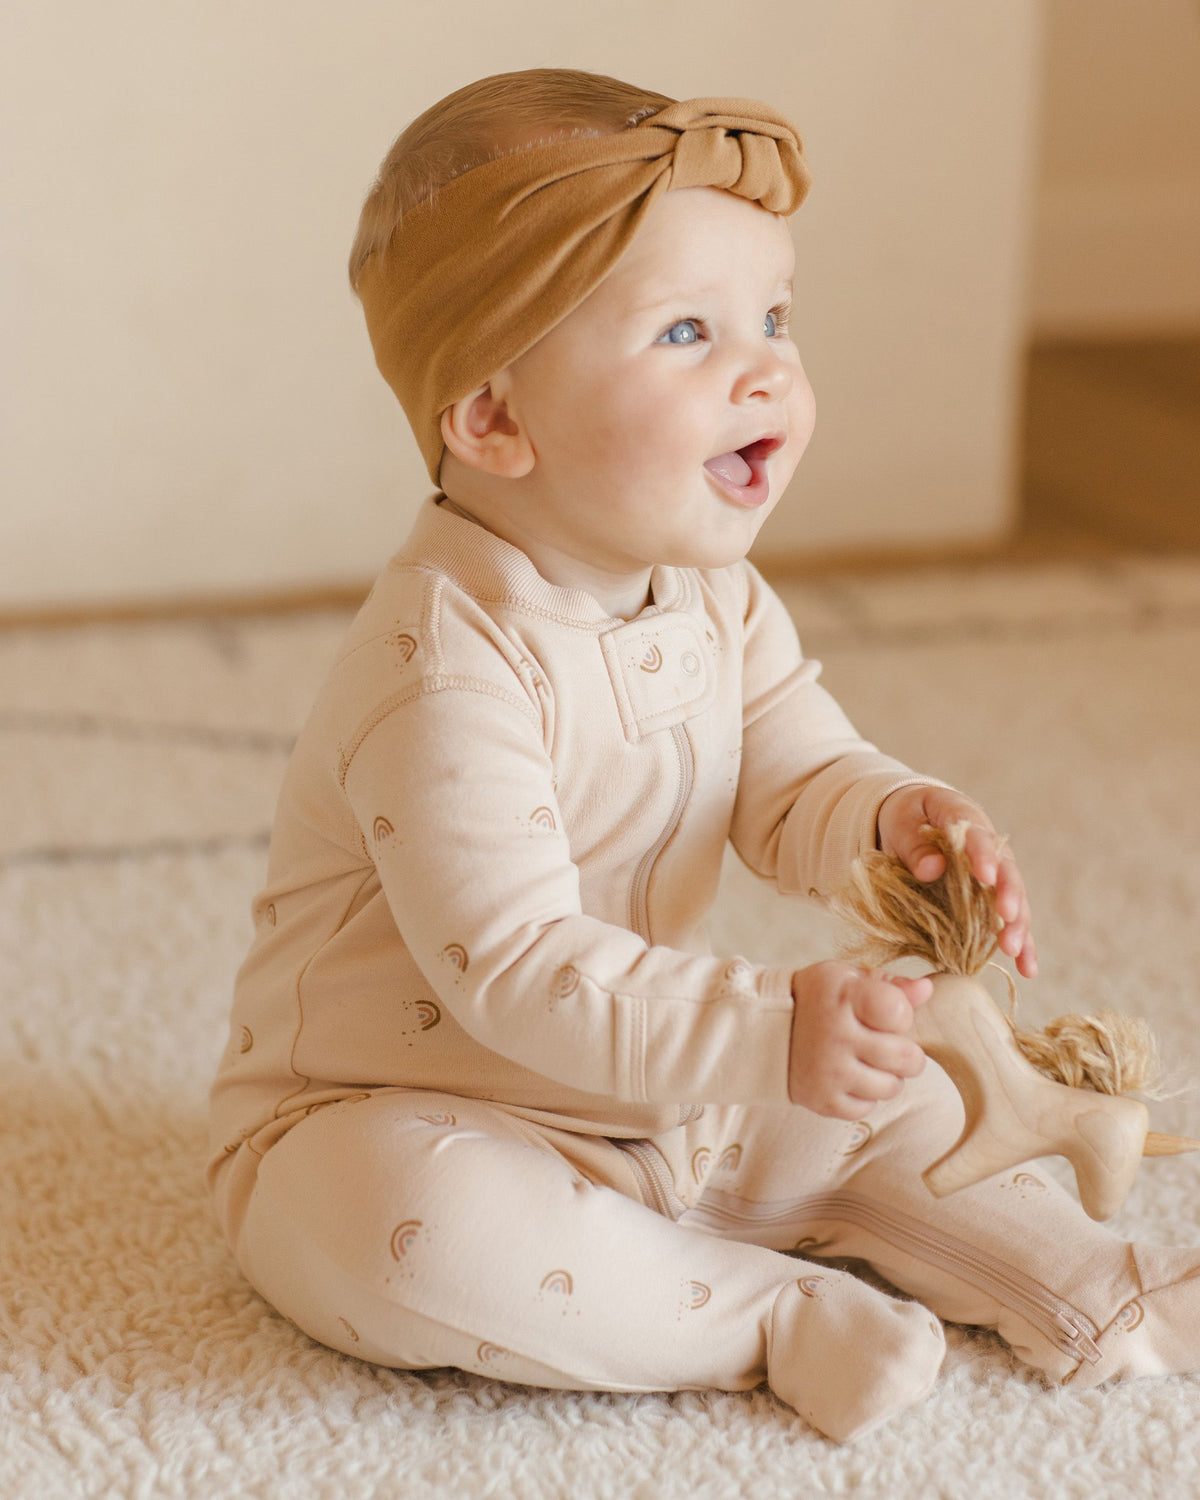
column 731, row 466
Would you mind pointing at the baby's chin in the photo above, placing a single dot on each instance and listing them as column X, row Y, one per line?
column 710, row 552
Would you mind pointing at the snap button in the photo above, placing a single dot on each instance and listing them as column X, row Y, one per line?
column 566, row 981
column 690, row 663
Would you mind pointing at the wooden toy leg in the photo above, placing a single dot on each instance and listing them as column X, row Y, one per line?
column 1014, row 1113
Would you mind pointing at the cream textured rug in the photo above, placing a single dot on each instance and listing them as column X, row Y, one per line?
column 140, row 765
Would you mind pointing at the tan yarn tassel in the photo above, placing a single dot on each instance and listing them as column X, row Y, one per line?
column 951, row 923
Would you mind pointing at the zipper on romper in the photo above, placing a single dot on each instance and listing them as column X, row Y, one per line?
column 639, row 908
column 1066, row 1326
column 639, row 914
column 655, row 1176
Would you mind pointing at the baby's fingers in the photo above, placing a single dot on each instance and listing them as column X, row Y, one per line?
column 886, row 1005
column 983, row 846
column 985, row 850
column 1012, row 906
column 896, row 1056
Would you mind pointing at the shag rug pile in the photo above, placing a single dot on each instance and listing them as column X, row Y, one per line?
column 140, row 766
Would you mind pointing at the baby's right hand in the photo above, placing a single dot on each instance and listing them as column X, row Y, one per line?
column 848, row 1046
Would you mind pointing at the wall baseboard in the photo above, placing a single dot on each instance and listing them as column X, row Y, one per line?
column 1020, row 548
column 347, row 596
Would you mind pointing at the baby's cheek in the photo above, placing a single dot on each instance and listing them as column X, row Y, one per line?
column 621, row 442
column 802, row 411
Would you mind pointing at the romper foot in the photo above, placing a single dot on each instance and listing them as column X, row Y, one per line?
column 1155, row 1332
column 847, row 1356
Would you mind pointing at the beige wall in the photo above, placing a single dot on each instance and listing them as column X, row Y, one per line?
column 190, row 404
column 1117, row 245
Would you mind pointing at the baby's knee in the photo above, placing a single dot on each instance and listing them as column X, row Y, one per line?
column 368, row 1180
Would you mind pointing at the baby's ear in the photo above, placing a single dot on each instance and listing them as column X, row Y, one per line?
column 480, row 431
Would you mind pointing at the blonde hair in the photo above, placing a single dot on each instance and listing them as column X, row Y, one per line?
column 484, row 120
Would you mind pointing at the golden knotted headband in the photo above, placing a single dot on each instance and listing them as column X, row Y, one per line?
column 475, row 275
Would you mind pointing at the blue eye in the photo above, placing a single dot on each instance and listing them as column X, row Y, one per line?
column 770, row 325
column 689, row 323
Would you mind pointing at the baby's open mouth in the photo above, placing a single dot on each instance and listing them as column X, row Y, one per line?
column 731, row 466
column 744, row 469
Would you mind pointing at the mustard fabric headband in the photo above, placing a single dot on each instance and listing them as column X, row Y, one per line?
column 475, row 275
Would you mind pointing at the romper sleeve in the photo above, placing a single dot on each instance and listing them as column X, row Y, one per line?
column 810, row 786
column 487, row 901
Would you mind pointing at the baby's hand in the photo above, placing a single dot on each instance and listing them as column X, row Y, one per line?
column 848, row 1046
column 907, row 811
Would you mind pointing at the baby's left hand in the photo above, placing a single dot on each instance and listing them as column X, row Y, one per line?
column 906, row 811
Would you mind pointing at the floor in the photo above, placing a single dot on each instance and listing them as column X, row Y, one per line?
column 141, row 763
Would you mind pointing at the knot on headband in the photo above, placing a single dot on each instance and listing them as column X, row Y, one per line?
column 475, row 275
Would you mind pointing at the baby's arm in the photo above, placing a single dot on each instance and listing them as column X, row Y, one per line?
column 454, row 789
column 812, row 795
column 810, row 787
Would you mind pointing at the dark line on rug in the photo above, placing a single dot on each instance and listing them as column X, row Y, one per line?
column 55, row 854
column 83, row 725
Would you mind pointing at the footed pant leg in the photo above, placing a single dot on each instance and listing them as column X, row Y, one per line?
column 1015, row 1253
column 420, row 1230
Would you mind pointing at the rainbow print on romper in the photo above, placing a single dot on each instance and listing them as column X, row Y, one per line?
column 406, row 645
column 652, row 661
column 1130, row 1316
column 403, row 1236
column 1025, row 1184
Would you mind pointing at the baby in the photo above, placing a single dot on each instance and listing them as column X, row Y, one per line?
column 489, row 1099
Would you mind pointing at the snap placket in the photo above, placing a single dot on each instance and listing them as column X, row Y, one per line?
column 661, row 672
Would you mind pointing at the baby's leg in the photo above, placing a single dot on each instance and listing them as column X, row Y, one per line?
column 419, row 1230
column 1015, row 1252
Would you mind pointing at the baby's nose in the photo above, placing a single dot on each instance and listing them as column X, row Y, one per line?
column 765, row 375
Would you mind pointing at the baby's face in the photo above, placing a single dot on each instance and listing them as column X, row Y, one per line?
column 636, row 401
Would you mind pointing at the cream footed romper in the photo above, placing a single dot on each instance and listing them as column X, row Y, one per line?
column 490, row 1100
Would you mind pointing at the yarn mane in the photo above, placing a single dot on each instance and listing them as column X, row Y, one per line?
column 952, row 924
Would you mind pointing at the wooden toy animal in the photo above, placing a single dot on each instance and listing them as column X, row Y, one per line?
column 1064, row 1091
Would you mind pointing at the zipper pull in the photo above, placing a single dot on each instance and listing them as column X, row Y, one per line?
column 1076, row 1340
